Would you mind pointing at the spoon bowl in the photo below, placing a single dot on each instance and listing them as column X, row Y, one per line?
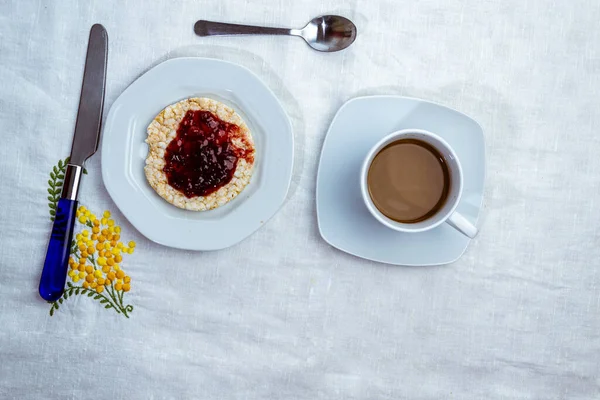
column 329, row 33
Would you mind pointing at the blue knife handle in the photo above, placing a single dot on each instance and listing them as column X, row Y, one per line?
column 54, row 274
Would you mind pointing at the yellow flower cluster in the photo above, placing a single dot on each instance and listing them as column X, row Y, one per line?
column 98, row 254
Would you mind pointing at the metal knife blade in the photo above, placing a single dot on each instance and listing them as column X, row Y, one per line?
column 91, row 102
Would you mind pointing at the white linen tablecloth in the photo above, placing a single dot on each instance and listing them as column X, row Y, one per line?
column 283, row 315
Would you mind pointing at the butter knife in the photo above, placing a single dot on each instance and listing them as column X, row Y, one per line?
column 85, row 144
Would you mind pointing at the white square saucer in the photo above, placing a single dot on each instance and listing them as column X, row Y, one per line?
column 345, row 222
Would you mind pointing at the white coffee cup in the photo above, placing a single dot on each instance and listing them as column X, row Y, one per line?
column 448, row 211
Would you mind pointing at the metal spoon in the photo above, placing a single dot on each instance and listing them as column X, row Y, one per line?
column 324, row 33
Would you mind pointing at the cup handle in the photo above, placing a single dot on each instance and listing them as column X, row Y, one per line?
column 460, row 223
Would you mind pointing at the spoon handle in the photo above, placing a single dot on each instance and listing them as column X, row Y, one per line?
column 209, row 28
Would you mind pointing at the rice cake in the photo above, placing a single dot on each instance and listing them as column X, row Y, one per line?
column 159, row 168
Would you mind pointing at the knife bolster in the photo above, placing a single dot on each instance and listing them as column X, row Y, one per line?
column 71, row 182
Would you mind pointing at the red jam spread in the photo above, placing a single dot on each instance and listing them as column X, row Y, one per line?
column 201, row 158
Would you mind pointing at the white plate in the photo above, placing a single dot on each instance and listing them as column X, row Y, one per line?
column 124, row 153
column 345, row 222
